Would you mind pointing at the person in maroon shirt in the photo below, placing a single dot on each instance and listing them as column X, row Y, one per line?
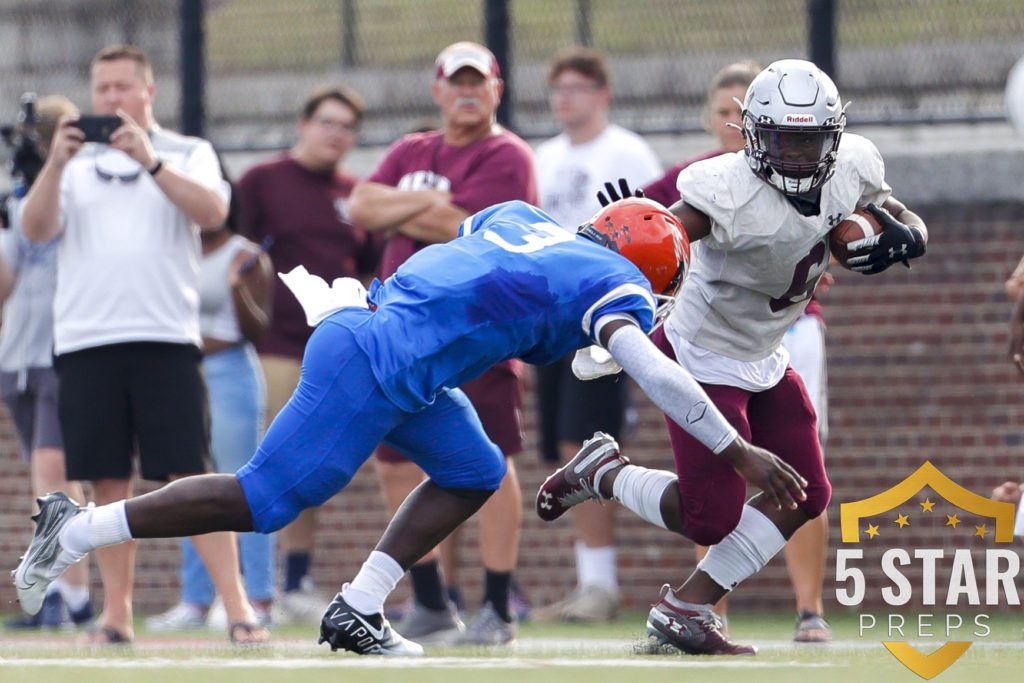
column 296, row 207
column 425, row 186
column 807, row 549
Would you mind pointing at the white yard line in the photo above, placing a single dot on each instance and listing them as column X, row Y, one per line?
column 401, row 663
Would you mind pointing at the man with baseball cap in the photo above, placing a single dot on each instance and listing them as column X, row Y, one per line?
column 466, row 54
column 426, row 185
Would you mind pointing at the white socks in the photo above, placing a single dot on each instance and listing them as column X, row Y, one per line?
column 745, row 551
column 96, row 527
column 376, row 579
column 640, row 489
column 596, row 567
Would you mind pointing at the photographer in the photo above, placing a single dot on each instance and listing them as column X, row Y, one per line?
column 28, row 384
column 126, row 319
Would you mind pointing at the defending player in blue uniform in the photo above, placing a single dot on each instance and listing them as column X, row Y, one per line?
column 512, row 285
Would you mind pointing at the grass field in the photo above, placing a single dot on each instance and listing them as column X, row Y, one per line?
column 555, row 653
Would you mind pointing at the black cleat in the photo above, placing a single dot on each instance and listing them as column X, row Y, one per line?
column 365, row 634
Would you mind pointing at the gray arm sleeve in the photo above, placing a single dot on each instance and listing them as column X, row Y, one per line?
column 671, row 388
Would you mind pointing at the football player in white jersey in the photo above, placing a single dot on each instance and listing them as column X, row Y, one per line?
column 759, row 220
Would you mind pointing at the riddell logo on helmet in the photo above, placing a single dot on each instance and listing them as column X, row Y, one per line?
column 799, row 118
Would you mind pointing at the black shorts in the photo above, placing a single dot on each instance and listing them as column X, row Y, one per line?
column 571, row 410
column 148, row 394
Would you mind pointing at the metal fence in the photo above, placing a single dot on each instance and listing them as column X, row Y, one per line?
column 898, row 61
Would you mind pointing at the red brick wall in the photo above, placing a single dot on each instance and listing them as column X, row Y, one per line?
column 917, row 370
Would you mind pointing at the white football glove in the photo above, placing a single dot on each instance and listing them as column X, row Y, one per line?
column 318, row 300
column 593, row 362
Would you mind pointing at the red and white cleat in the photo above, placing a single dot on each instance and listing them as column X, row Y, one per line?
column 576, row 481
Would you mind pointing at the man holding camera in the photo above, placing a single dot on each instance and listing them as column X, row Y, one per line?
column 126, row 325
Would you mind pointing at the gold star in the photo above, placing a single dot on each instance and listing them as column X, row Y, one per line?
column 952, row 520
column 872, row 530
column 981, row 531
column 927, row 505
column 902, row 521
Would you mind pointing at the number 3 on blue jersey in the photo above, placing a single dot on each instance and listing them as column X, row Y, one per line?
column 549, row 234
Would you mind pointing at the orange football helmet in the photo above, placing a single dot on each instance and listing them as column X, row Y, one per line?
column 647, row 234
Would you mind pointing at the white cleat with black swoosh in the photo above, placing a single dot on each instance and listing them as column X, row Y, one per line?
column 46, row 558
column 366, row 634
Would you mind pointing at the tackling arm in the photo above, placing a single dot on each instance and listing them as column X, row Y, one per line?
column 667, row 384
column 680, row 397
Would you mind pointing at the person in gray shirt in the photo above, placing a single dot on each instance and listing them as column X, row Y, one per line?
column 28, row 383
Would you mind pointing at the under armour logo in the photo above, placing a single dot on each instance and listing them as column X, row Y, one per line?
column 545, row 502
column 678, row 627
column 895, row 254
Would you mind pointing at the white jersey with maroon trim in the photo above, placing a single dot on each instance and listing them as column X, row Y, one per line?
column 754, row 274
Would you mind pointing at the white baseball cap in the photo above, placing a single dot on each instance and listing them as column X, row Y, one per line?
column 466, row 54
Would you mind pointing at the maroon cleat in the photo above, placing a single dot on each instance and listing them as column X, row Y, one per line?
column 574, row 483
column 691, row 631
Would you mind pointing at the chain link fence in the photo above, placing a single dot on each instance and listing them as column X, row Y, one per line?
column 898, row 61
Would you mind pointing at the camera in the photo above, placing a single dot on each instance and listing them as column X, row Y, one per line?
column 25, row 159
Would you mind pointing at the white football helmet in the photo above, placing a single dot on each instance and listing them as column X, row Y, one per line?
column 793, row 118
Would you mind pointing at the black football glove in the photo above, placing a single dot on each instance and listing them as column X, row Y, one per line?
column 897, row 243
column 615, row 195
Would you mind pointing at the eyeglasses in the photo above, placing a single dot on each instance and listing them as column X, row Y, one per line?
column 574, row 89
column 336, row 126
column 108, row 177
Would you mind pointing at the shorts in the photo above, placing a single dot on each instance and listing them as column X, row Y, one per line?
column 780, row 419
column 337, row 416
column 31, row 399
column 497, row 396
column 149, row 394
column 570, row 410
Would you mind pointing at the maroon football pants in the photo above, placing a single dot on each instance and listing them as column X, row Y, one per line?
column 780, row 419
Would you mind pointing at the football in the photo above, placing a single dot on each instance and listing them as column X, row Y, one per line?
column 856, row 226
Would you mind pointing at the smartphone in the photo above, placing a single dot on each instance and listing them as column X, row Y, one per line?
column 97, row 128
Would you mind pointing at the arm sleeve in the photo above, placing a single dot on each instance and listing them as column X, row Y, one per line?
column 671, row 388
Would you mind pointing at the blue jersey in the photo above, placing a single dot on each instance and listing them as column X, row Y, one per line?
column 513, row 284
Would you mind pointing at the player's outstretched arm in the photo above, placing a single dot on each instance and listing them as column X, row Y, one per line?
column 680, row 397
